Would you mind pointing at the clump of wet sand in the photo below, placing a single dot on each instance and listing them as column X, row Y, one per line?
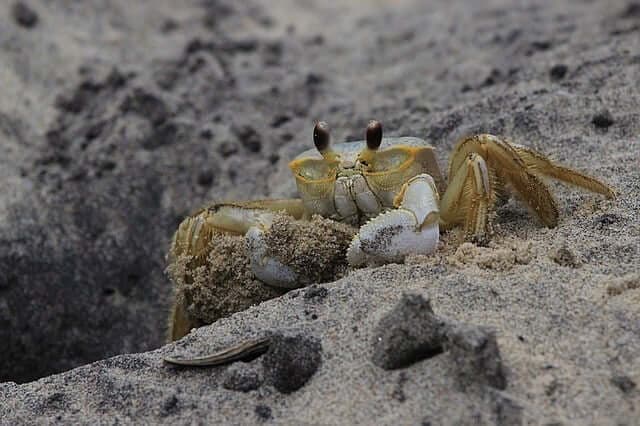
column 224, row 283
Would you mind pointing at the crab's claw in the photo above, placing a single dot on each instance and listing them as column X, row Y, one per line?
column 265, row 267
column 411, row 228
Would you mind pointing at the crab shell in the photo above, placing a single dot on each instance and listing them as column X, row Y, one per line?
column 347, row 189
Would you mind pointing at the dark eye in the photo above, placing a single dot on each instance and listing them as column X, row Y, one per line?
column 321, row 136
column 373, row 135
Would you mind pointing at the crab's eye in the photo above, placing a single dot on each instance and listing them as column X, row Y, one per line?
column 374, row 135
column 321, row 136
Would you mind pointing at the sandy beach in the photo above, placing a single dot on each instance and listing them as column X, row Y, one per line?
column 118, row 119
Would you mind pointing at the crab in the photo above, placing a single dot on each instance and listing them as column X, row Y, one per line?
column 392, row 188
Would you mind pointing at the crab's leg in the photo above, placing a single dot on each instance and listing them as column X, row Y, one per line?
column 503, row 159
column 470, row 197
column 251, row 219
column 412, row 227
column 538, row 163
column 197, row 231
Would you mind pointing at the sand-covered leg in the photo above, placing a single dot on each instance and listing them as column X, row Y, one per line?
column 206, row 230
column 411, row 228
column 470, row 197
column 197, row 231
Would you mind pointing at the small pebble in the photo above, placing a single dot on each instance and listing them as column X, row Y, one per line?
column 558, row 71
column 24, row 15
column 603, row 119
column 624, row 383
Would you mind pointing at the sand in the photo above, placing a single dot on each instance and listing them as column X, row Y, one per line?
column 117, row 120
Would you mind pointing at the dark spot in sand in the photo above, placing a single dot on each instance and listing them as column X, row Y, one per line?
column 169, row 25
column 603, row 119
column 563, row 256
column 291, row 361
column 205, row 178
column 631, row 11
column 624, row 383
column 273, row 53
column 475, row 356
column 316, row 40
column 95, row 130
column 242, row 377
column 314, row 79
column 81, row 97
column 525, row 121
column 558, row 72
column 24, row 15
column 552, row 387
column 315, row 293
column 398, row 392
column 409, row 333
column 603, row 221
column 538, row 46
column 206, row 133
column 311, row 315
column 215, row 11
column 279, row 120
column 116, row 79
column 293, row 294
column 263, row 412
column 248, row 137
column 169, row 406
column 56, row 401
column 106, row 165
column 227, row 149
column 167, row 133
column 147, row 105
column 494, row 76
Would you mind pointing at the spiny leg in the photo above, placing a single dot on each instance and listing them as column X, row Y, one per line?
column 538, row 163
column 503, row 159
column 469, row 198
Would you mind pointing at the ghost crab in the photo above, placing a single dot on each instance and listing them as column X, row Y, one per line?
column 391, row 187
